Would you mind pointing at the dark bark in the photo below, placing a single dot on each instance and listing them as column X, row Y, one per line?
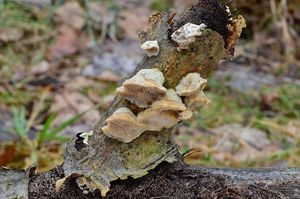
column 179, row 181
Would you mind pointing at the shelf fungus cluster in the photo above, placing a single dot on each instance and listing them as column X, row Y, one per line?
column 162, row 108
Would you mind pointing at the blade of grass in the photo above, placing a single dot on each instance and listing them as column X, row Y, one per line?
column 43, row 133
column 37, row 109
column 20, row 122
column 47, row 134
column 66, row 123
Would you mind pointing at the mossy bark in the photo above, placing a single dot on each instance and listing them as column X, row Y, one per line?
column 105, row 160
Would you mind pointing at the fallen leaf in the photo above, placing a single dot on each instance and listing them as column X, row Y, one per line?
column 40, row 68
column 11, row 34
column 71, row 13
column 38, row 3
column 7, row 152
column 240, row 143
column 109, row 76
column 69, row 103
column 99, row 14
column 133, row 22
column 65, row 44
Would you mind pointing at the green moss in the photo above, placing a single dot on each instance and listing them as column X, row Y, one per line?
column 159, row 5
column 151, row 146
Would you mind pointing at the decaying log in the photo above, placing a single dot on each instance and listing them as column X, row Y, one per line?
column 94, row 166
column 104, row 159
column 179, row 181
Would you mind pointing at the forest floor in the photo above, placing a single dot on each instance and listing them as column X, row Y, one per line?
column 58, row 76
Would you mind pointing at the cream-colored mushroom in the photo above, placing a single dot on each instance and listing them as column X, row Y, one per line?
column 191, row 84
column 151, row 48
column 123, row 125
column 172, row 95
column 187, row 34
column 144, row 88
column 194, row 101
column 185, row 115
column 164, row 113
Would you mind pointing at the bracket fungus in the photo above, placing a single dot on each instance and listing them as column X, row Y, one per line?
column 164, row 113
column 191, row 87
column 191, row 84
column 144, row 88
column 187, row 34
column 151, row 48
column 194, row 101
column 123, row 126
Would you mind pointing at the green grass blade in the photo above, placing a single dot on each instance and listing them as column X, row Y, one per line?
column 48, row 134
column 20, row 122
column 45, row 131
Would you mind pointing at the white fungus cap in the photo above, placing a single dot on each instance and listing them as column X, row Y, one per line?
column 151, row 48
column 144, row 88
column 191, row 84
column 123, row 126
column 187, row 34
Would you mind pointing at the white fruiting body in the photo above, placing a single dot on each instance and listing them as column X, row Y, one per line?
column 151, row 48
column 191, row 84
column 123, row 126
column 144, row 88
column 164, row 108
column 187, row 34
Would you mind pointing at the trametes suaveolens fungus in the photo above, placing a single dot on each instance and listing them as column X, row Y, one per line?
column 151, row 48
column 123, row 125
column 194, row 101
column 191, row 84
column 191, row 88
column 144, row 88
column 164, row 113
column 164, row 107
column 187, row 34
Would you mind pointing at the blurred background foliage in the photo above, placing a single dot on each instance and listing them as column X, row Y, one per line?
column 61, row 60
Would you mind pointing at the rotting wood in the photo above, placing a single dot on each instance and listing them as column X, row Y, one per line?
column 104, row 159
column 103, row 156
column 179, row 181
